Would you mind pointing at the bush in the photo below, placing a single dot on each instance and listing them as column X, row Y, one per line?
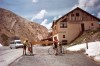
column 5, row 39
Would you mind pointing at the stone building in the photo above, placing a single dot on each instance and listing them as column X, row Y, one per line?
column 72, row 24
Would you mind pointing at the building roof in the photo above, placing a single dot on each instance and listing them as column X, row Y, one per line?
column 54, row 22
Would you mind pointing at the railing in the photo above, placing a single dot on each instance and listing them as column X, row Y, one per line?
column 41, row 42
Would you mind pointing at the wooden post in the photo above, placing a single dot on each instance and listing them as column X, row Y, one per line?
column 87, row 45
column 86, row 41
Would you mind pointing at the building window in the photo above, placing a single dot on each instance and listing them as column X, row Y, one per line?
column 77, row 14
column 63, row 36
column 63, row 24
column 64, row 42
column 92, row 24
column 55, row 37
column 72, row 15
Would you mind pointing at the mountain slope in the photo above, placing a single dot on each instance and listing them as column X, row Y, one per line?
column 13, row 25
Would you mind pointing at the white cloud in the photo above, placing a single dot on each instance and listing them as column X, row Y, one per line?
column 34, row 1
column 98, row 15
column 85, row 4
column 59, row 16
column 74, row 7
column 46, row 24
column 82, row 3
column 40, row 15
column 55, row 18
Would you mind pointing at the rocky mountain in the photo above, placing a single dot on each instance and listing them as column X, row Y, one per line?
column 12, row 25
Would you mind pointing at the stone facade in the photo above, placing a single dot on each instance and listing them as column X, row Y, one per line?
column 69, row 26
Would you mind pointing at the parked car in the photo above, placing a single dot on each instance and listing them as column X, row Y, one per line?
column 16, row 44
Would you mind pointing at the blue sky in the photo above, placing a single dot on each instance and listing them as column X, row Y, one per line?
column 45, row 11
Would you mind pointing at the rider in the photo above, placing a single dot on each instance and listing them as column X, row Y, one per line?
column 56, row 45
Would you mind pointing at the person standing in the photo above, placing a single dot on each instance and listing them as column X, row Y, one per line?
column 29, row 48
column 25, row 47
column 60, row 48
column 56, row 45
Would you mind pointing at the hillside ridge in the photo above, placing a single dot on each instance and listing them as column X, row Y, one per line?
column 14, row 25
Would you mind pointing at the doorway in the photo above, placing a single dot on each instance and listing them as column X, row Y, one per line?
column 82, row 27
